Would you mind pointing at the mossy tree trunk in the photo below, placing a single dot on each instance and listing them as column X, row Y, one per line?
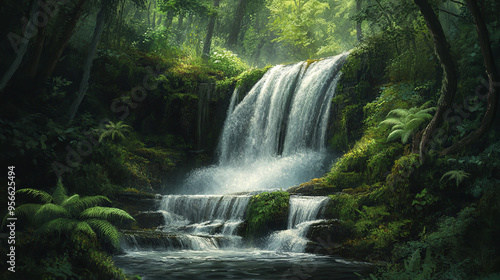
column 450, row 77
column 493, row 81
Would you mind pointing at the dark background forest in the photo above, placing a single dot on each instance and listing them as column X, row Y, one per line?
column 104, row 98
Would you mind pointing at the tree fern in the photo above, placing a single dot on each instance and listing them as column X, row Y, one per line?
column 59, row 195
column 105, row 230
column 83, row 203
column 458, row 175
column 405, row 122
column 105, row 213
column 43, row 196
column 61, row 213
column 49, row 212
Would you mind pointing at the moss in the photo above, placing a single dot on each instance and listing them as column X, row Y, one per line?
column 248, row 79
column 267, row 211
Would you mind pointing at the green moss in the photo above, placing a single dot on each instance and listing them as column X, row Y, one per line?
column 266, row 211
column 249, row 78
column 344, row 206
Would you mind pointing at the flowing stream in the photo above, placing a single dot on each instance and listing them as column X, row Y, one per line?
column 274, row 137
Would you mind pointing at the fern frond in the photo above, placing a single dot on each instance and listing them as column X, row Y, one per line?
column 398, row 112
column 105, row 213
column 70, row 200
column 59, row 194
column 49, row 212
column 391, row 121
column 85, row 228
column 423, row 116
column 43, row 196
column 57, row 226
column 105, row 230
column 414, row 124
column 81, row 204
column 24, row 210
column 394, row 134
column 458, row 175
column 405, row 136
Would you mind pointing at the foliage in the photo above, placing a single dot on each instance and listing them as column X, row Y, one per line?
column 405, row 123
column 227, row 62
column 299, row 23
column 458, row 175
column 266, row 208
column 72, row 215
column 114, row 129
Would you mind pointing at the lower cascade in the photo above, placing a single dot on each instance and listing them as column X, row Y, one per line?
column 302, row 214
column 273, row 137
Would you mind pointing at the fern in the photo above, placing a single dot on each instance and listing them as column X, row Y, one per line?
column 43, row 196
column 405, row 122
column 458, row 175
column 112, row 129
column 105, row 230
column 105, row 213
column 71, row 214
column 49, row 212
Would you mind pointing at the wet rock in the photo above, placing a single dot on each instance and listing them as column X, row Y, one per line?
column 312, row 188
column 149, row 219
column 327, row 237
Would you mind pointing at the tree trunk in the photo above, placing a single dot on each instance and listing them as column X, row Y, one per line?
column 147, row 13
column 180, row 22
column 449, row 81
column 232, row 40
column 168, row 20
column 359, row 32
column 84, row 83
column 493, row 81
column 210, row 32
column 58, row 47
column 22, row 49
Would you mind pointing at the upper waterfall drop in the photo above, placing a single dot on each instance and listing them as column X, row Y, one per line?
column 275, row 136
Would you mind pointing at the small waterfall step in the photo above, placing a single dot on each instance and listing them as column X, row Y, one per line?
column 303, row 212
column 139, row 240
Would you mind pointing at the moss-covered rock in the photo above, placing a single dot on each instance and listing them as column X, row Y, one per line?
column 267, row 211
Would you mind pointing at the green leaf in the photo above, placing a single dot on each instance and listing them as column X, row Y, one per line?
column 43, row 196
column 105, row 213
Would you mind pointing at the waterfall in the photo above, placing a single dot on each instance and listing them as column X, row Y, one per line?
column 275, row 136
column 303, row 213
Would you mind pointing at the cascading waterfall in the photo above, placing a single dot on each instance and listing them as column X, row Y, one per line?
column 275, row 136
column 303, row 212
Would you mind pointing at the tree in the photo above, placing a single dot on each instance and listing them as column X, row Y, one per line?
column 493, row 80
column 299, row 24
column 207, row 43
column 84, row 83
column 450, row 78
column 59, row 213
column 359, row 31
column 21, row 51
column 60, row 40
column 237, row 22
